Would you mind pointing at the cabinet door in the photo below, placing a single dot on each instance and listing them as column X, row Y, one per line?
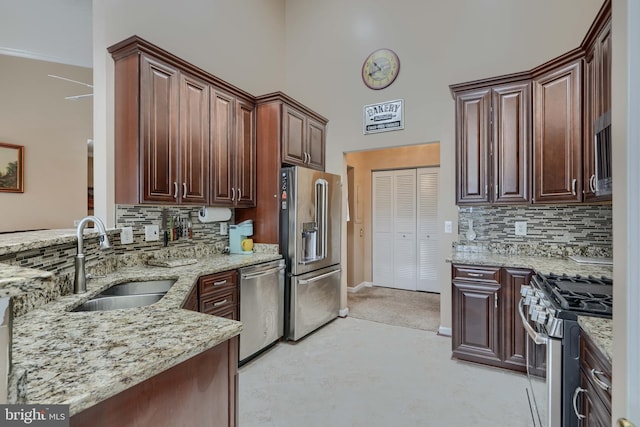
column 245, row 155
column 591, row 406
column 511, row 123
column 315, row 144
column 588, row 116
column 514, row 337
column 597, row 101
column 475, row 333
column 603, row 70
column 293, row 138
column 194, row 141
column 557, row 155
column 159, row 87
column 222, row 149
column 472, row 146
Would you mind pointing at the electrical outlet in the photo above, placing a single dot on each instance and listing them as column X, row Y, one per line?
column 126, row 235
column 521, row 228
column 224, row 228
column 448, row 227
column 151, row 233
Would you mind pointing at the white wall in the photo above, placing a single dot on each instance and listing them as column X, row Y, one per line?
column 54, row 132
column 439, row 43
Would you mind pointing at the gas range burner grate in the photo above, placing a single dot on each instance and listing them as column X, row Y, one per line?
column 588, row 295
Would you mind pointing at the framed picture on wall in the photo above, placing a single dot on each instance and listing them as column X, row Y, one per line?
column 11, row 168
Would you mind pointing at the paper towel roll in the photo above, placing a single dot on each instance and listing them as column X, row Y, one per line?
column 214, row 214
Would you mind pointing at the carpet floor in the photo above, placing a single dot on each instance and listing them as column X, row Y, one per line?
column 417, row 310
column 358, row 373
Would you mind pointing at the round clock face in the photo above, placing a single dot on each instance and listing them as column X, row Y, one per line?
column 380, row 69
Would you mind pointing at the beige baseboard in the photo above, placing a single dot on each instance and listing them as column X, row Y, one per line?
column 358, row 287
column 444, row 331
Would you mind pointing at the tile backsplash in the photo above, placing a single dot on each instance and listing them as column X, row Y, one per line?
column 552, row 230
column 137, row 216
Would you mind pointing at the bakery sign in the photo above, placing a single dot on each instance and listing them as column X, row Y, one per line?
column 384, row 116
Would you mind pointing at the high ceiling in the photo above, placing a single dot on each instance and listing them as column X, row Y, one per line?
column 51, row 30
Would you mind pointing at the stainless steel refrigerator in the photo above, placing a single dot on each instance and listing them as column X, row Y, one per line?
column 310, row 218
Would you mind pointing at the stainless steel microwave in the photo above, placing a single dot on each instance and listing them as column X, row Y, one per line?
column 602, row 154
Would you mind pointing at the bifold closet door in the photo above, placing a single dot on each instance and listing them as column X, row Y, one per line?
column 428, row 237
column 394, row 229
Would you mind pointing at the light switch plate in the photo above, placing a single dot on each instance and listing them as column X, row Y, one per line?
column 521, row 228
column 126, row 235
column 151, row 233
column 448, row 227
column 224, row 228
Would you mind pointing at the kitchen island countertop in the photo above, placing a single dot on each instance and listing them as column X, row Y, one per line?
column 83, row 358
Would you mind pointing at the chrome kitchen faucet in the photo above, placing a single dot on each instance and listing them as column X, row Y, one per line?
column 80, row 282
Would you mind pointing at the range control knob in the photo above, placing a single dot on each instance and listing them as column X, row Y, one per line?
column 542, row 317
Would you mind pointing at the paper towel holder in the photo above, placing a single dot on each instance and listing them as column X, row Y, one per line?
column 212, row 214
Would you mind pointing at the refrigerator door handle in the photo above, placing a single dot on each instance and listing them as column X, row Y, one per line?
column 322, row 276
column 322, row 202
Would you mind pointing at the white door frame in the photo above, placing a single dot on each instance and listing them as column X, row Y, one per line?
column 626, row 209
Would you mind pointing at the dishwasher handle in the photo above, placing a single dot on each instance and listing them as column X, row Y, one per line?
column 322, row 276
column 262, row 272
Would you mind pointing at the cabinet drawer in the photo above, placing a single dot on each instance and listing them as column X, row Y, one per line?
column 226, row 312
column 476, row 273
column 596, row 368
column 218, row 301
column 217, row 282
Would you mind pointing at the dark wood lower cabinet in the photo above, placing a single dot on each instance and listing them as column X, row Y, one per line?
column 595, row 382
column 486, row 326
column 201, row 391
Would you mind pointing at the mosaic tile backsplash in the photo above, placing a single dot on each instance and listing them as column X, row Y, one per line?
column 552, row 230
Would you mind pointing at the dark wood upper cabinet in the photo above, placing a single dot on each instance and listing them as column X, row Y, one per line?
column 473, row 110
column 597, row 95
column 194, row 140
column 158, row 115
column 245, row 154
column 182, row 136
column 528, row 137
column 557, row 134
column 493, row 140
column 285, row 130
column 511, row 142
column 233, row 144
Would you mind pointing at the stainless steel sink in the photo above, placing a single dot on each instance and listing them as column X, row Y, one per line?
column 116, row 302
column 140, row 287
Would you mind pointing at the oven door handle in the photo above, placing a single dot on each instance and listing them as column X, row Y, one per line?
column 537, row 337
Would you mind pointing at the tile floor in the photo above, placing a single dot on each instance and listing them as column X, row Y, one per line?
column 359, row 373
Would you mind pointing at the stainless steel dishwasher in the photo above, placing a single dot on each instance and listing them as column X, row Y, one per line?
column 261, row 307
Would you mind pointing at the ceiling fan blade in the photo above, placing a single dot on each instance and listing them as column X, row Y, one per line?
column 75, row 97
column 69, row 80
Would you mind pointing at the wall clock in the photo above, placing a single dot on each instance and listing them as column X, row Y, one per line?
column 380, row 69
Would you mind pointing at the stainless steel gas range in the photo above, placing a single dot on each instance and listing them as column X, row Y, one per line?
column 549, row 308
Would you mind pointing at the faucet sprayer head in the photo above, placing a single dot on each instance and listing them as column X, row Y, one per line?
column 104, row 242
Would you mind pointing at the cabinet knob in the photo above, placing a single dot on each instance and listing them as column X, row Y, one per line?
column 575, row 402
column 184, row 189
column 175, row 190
column 239, row 194
column 233, row 194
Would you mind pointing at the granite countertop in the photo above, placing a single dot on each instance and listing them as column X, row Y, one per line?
column 83, row 358
column 543, row 265
column 27, row 240
column 600, row 330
